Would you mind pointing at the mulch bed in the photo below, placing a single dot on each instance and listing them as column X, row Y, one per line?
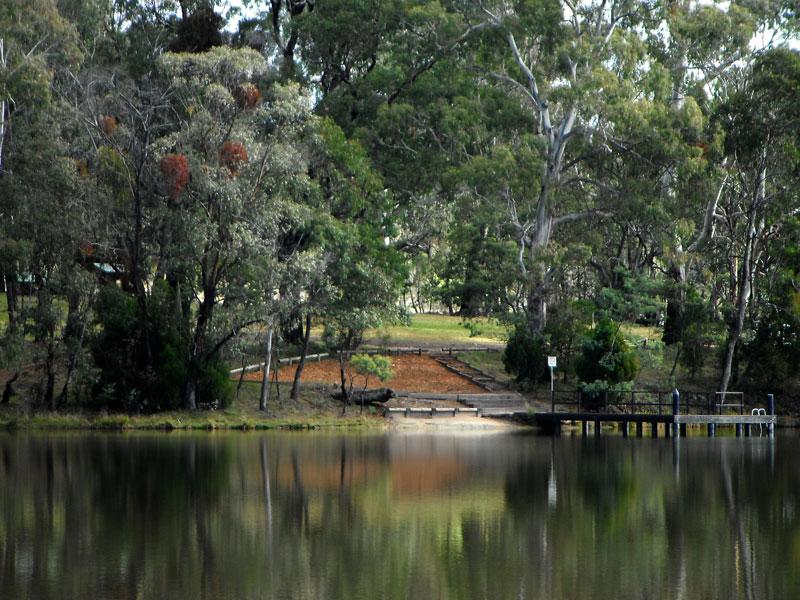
column 412, row 373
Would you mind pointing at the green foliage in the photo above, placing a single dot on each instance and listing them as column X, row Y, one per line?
column 388, row 144
column 773, row 353
column 698, row 334
column 526, row 355
column 215, row 388
column 474, row 327
column 198, row 32
column 144, row 369
column 374, row 365
column 567, row 326
column 606, row 356
column 597, row 392
column 635, row 298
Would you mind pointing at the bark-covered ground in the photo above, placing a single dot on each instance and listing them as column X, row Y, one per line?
column 412, row 373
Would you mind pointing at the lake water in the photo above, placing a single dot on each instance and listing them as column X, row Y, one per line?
column 363, row 516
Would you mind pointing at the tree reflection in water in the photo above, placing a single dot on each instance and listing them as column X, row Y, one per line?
column 397, row 516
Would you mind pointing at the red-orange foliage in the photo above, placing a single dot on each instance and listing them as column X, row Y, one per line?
column 82, row 167
column 108, row 124
column 86, row 248
column 175, row 170
column 248, row 95
column 232, row 155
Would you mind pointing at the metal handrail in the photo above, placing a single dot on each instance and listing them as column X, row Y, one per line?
column 659, row 401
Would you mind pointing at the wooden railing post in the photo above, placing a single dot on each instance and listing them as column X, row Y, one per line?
column 771, row 412
column 676, row 409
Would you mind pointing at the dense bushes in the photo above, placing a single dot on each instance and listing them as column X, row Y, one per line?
column 607, row 361
column 774, row 351
column 143, row 368
column 526, row 355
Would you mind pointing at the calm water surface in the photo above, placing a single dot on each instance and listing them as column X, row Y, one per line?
column 239, row 516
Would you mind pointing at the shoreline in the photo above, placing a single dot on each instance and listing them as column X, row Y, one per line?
column 186, row 421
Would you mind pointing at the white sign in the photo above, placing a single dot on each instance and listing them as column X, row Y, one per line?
column 551, row 361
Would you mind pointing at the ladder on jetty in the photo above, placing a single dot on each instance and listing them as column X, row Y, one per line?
column 675, row 418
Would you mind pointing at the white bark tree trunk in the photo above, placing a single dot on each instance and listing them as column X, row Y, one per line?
column 3, row 107
column 264, row 397
column 755, row 225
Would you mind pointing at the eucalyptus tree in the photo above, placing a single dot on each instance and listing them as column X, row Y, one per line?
column 34, row 41
column 247, row 168
column 566, row 62
column 42, row 211
column 700, row 47
column 762, row 126
column 356, row 281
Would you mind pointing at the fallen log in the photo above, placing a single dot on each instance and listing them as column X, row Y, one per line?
column 367, row 397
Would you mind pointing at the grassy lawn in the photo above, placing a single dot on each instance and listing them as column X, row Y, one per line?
column 439, row 330
column 488, row 362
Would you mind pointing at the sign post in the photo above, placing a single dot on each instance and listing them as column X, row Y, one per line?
column 551, row 362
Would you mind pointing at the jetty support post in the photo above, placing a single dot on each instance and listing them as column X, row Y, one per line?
column 676, row 410
column 639, row 428
column 584, row 428
column 771, row 412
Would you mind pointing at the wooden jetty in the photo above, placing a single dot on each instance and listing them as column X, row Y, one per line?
column 672, row 421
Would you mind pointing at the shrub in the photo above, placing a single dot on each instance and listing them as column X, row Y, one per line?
column 774, row 351
column 697, row 334
column 376, row 366
column 474, row 327
column 606, row 356
column 215, row 385
column 526, row 355
column 132, row 381
column 567, row 326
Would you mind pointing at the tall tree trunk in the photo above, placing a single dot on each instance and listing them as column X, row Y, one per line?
column 275, row 379
column 673, row 324
column 736, row 327
column 343, row 380
column 755, row 225
column 241, row 376
column 299, row 372
column 50, row 378
column 196, row 349
column 3, row 107
column 536, row 307
column 12, row 295
column 264, row 397
column 137, row 277
column 8, row 390
column 74, row 334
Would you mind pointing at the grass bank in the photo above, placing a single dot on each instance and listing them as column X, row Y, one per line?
column 314, row 410
column 439, row 330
